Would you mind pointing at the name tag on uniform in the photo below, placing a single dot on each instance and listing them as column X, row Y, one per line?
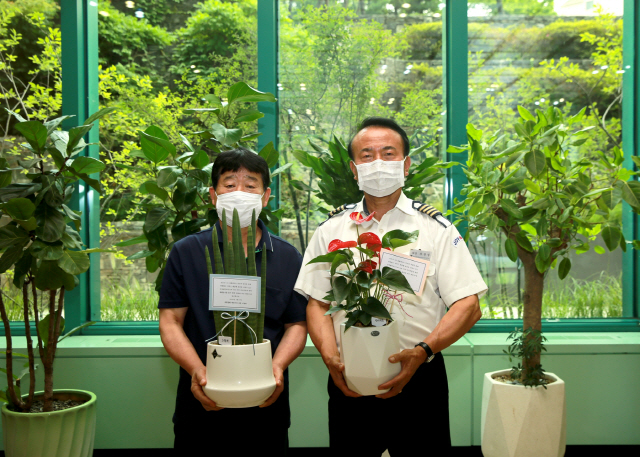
column 420, row 254
column 413, row 268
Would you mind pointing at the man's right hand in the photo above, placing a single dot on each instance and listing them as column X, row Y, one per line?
column 199, row 379
column 336, row 368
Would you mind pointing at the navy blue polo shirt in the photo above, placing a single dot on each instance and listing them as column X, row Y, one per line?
column 186, row 284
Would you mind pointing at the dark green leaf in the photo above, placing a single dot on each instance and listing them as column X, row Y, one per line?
column 74, row 330
column 87, row 165
column 10, row 257
column 399, row 235
column 269, row 154
column 611, row 237
column 47, row 251
column 141, row 255
column 523, row 241
column 19, row 208
column 74, row 262
column 155, row 144
column 511, row 248
column 137, row 240
column 156, row 218
column 631, row 193
column 51, row 223
column 375, row 308
column 75, row 135
column 564, row 268
column 152, row 188
column 98, row 114
column 395, row 280
column 536, row 162
column 510, row 207
column 226, row 136
column 51, row 277
column 324, row 258
column 34, row 132
column 199, row 160
column 248, row 115
column 340, row 287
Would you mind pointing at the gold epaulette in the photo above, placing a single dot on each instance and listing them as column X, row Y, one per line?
column 338, row 210
column 432, row 212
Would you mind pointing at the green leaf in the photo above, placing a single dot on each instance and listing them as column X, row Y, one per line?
column 564, row 268
column 152, row 188
column 599, row 249
column 542, row 265
column 98, row 114
column 536, row 162
column 43, row 328
column 34, row 132
column 248, row 115
column 523, row 241
column 269, row 153
column 156, row 148
column 47, row 251
column 75, row 135
column 324, row 258
column 395, row 280
column 141, row 255
column 137, row 240
column 242, row 92
column 168, row 176
column 511, row 248
column 525, row 114
column 19, row 208
column 399, row 235
column 611, row 237
column 338, row 260
column 93, row 183
column 74, row 330
column 631, row 193
column 51, row 223
column 87, row 165
column 544, row 252
column 279, row 170
column 476, row 208
column 74, row 262
column 510, row 207
column 51, row 277
column 199, row 160
column 340, row 287
column 226, row 136
column 10, row 257
column 373, row 307
column 156, row 218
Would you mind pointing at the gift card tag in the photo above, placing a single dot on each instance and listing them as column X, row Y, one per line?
column 225, row 341
column 377, row 322
column 420, row 254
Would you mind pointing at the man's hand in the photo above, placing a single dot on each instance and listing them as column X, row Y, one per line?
column 410, row 359
column 199, row 379
column 278, row 373
column 336, row 368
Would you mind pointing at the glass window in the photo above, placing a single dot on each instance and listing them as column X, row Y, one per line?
column 157, row 58
column 527, row 53
column 339, row 63
column 30, row 85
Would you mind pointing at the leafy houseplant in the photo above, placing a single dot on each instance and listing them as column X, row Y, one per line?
column 363, row 291
column 234, row 264
column 180, row 182
column 41, row 240
column 548, row 202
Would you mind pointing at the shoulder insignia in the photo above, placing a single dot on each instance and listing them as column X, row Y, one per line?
column 338, row 210
column 432, row 212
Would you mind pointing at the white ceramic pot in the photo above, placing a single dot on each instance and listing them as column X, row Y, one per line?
column 519, row 421
column 365, row 352
column 66, row 433
column 238, row 378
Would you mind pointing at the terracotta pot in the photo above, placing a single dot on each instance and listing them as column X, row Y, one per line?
column 238, row 378
column 66, row 433
column 519, row 421
column 365, row 352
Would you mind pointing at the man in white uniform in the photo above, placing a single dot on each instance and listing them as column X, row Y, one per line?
column 414, row 412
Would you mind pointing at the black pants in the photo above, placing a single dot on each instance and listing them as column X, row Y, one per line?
column 414, row 422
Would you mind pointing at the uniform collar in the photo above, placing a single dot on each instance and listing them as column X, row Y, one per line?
column 404, row 204
column 265, row 239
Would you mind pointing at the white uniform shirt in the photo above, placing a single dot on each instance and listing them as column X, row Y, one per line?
column 452, row 273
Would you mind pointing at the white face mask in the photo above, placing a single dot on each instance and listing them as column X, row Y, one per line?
column 244, row 202
column 381, row 177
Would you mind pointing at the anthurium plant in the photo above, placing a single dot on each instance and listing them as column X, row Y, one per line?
column 533, row 186
column 363, row 291
column 40, row 241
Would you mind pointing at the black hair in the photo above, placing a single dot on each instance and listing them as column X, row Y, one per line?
column 382, row 122
column 240, row 158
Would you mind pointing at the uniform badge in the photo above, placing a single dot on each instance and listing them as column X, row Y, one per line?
column 457, row 241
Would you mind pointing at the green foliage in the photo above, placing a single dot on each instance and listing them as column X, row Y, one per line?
column 524, row 346
column 179, row 182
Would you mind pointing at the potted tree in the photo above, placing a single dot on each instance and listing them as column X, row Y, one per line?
column 548, row 202
column 240, row 374
column 39, row 239
column 365, row 293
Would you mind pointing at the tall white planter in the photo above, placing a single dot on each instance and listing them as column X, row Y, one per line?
column 365, row 352
column 520, row 421
column 238, row 378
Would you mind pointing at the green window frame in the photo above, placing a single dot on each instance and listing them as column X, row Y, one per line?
column 79, row 23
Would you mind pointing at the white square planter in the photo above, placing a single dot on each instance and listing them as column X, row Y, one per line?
column 519, row 421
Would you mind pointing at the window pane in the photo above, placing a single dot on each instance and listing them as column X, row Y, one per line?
column 28, row 31
column 527, row 53
column 158, row 58
column 340, row 63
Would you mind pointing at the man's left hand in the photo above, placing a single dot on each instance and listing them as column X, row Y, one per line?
column 279, row 375
column 410, row 359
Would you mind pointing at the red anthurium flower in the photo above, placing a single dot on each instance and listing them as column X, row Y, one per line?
column 337, row 244
column 369, row 237
column 374, row 247
column 358, row 218
column 368, row 266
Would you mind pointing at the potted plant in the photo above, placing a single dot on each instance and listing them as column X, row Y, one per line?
column 364, row 293
column 240, row 374
column 547, row 201
column 39, row 239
